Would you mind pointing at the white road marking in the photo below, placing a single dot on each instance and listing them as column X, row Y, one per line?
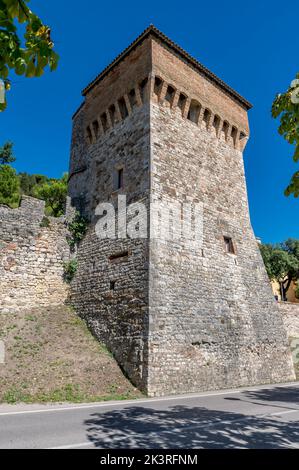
column 72, row 446
column 118, row 403
column 150, row 400
column 295, row 410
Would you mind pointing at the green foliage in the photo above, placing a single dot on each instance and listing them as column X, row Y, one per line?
column 27, row 56
column 77, row 228
column 12, row 186
column 286, row 107
column 54, row 192
column 282, row 263
column 45, row 223
column 6, row 154
column 70, row 269
column 29, row 183
column 71, row 393
column 9, row 186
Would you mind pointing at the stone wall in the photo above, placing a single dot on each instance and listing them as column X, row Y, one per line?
column 176, row 319
column 31, row 257
column 290, row 315
column 110, row 290
column 213, row 321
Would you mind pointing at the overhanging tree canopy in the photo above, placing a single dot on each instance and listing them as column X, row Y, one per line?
column 30, row 55
column 6, row 154
column 286, row 107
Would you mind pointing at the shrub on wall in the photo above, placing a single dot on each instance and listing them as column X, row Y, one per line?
column 45, row 223
column 70, row 269
column 77, row 228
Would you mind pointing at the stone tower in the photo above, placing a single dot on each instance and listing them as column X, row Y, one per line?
column 157, row 125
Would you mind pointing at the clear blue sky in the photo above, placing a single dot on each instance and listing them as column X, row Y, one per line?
column 253, row 46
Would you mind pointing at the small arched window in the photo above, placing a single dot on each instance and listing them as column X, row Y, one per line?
column 104, row 122
column 242, row 141
column 225, row 129
column 182, row 102
column 194, row 111
column 123, row 108
column 96, row 128
column 132, row 98
column 216, row 123
column 112, row 112
column 158, row 86
column 170, row 92
column 207, row 117
column 142, row 89
column 234, row 134
column 89, row 135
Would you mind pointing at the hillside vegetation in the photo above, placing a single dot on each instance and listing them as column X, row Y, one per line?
column 52, row 357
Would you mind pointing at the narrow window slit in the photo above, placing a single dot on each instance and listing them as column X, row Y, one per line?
column 216, row 123
column 121, row 255
column 225, row 128
column 170, row 92
column 229, row 245
column 207, row 117
column 132, row 98
column 242, row 141
column 96, row 128
column 89, row 134
column 123, row 108
column 158, row 86
column 104, row 122
column 194, row 111
column 112, row 112
column 234, row 134
column 182, row 102
column 142, row 89
column 118, row 179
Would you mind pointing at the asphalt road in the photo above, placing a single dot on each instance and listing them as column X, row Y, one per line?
column 259, row 417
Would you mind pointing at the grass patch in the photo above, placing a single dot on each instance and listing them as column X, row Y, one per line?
column 70, row 393
column 52, row 356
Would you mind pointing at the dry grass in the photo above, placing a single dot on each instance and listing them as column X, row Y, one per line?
column 50, row 356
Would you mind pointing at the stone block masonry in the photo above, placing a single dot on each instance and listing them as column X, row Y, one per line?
column 177, row 318
column 290, row 315
column 31, row 257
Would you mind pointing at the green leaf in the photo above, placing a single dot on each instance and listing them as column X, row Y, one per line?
column 4, row 72
column 30, row 71
column 287, row 110
column 38, row 51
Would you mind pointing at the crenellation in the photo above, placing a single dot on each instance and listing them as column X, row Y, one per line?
column 170, row 96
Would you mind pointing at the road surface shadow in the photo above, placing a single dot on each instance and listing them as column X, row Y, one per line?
column 281, row 397
column 288, row 395
column 187, row 427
